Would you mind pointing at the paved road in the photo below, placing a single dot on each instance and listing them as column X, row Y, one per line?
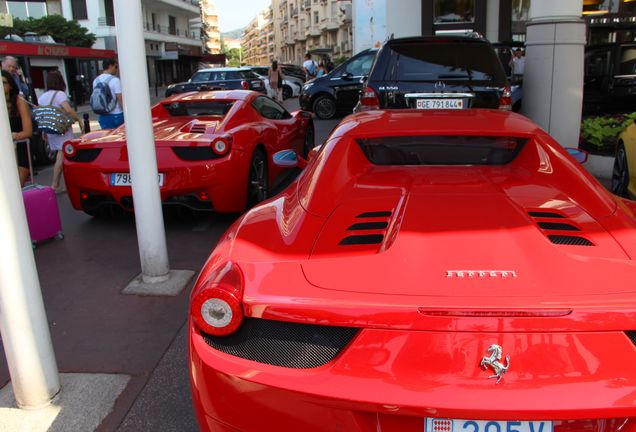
column 97, row 329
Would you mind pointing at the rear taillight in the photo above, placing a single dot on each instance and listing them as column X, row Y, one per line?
column 369, row 99
column 505, row 101
column 222, row 144
column 69, row 149
column 245, row 85
column 216, row 309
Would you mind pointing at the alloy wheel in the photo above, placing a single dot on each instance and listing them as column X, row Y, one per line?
column 257, row 180
column 620, row 173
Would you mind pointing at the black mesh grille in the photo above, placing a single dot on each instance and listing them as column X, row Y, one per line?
column 278, row 343
column 368, row 226
column 570, row 240
column 632, row 336
column 362, row 240
column 374, row 214
column 545, row 214
column 557, row 226
column 85, row 155
column 195, row 153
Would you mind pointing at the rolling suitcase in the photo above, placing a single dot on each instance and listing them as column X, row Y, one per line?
column 40, row 202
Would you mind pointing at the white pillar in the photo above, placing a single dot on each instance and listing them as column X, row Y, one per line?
column 131, row 50
column 23, row 323
column 492, row 20
column 553, row 78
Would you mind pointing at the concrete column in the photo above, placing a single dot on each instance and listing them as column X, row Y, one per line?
column 141, row 143
column 553, row 78
column 492, row 20
column 23, row 323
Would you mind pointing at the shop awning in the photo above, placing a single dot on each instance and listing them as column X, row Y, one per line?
column 50, row 50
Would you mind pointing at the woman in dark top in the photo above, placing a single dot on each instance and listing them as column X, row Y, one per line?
column 20, row 120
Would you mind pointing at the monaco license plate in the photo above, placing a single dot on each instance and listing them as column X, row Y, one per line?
column 124, row 179
column 457, row 425
column 439, row 104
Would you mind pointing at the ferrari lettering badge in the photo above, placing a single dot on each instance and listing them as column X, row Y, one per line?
column 493, row 362
column 481, row 274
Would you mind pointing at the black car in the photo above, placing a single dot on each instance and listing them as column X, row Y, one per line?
column 610, row 77
column 225, row 78
column 337, row 91
column 436, row 72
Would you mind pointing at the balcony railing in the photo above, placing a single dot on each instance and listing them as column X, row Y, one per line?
column 157, row 28
column 106, row 21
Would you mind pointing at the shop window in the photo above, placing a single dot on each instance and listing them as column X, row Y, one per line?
column 628, row 62
column 24, row 10
column 454, row 11
column 78, row 8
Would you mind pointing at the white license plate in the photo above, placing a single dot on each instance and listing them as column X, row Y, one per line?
column 439, row 104
column 124, row 179
column 457, row 425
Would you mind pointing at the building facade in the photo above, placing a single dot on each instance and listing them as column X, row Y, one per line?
column 257, row 41
column 210, row 27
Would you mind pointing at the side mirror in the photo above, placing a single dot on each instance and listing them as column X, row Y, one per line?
column 578, row 154
column 288, row 159
column 301, row 113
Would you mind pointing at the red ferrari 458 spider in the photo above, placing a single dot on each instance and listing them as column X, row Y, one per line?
column 427, row 271
column 213, row 153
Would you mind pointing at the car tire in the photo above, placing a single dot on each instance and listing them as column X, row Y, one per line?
column 287, row 92
column 44, row 155
column 257, row 180
column 620, row 172
column 309, row 140
column 324, row 107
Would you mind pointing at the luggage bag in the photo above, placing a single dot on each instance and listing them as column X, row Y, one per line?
column 42, row 212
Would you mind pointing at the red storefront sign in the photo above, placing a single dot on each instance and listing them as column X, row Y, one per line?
column 46, row 50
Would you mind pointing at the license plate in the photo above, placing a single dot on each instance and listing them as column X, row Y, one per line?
column 457, row 425
column 439, row 104
column 124, row 179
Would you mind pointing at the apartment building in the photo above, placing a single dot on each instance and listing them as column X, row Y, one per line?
column 258, row 39
column 210, row 27
column 320, row 27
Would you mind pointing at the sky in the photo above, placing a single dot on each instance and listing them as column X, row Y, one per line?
column 234, row 14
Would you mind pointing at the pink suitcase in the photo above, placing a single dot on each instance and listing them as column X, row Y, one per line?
column 43, row 215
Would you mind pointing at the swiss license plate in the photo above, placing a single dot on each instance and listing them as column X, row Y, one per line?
column 439, row 104
column 457, row 425
column 124, row 179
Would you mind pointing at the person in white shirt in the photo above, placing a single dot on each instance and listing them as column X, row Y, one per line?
column 55, row 95
column 517, row 65
column 115, row 118
column 310, row 67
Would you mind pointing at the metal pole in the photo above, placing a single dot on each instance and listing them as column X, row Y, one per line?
column 23, row 323
column 131, row 51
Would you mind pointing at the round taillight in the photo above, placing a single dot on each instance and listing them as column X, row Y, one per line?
column 220, row 147
column 69, row 149
column 245, row 85
column 222, row 144
column 217, row 311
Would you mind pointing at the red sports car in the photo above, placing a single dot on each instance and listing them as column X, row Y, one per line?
column 427, row 271
column 213, row 153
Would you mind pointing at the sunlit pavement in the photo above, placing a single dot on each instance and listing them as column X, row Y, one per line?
column 97, row 330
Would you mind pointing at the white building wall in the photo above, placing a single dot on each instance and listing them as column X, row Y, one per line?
column 375, row 20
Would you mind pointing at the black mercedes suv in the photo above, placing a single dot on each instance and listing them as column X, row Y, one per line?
column 224, row 78
column 436, row 72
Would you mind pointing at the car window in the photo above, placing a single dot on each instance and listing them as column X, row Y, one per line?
column 247, row 74
column 628, row 62
column 199, row 108
column 597, row 64
column 359, row 66
column 218, row 76
column 441, row 150
column 270, row 109
column 201, row 76
column 456, row 61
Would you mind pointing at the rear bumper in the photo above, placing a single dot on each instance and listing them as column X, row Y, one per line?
column 390, row 381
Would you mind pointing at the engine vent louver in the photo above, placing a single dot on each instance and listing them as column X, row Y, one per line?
column 367, row 238
column 553, row 229
column 200, row 128
column 285, row 344
column 631, row 334
column 569, row 240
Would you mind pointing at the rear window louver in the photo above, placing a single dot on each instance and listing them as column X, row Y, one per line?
column 369, row 234
column 554, row 224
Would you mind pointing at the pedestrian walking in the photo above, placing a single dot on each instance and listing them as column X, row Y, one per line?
column 55, row 95
column 276, row 77
column 517, row 65
column 106, row 99
column 20, row 121
column 10, row 64
column 310, row 67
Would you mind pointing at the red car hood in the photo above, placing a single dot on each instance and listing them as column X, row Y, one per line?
column 464, row 240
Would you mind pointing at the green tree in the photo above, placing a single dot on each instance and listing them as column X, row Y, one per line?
column 63, row 31
column 233, row 57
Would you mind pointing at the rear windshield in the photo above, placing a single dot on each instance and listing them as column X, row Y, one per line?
column 222, row 75
column 449, row 62
column 199, row 108
column 441, row 150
